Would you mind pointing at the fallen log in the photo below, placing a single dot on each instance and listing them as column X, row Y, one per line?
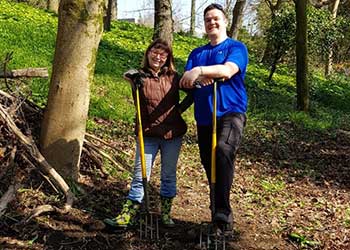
column 28, row 72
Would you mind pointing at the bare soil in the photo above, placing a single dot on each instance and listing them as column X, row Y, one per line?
column 291, row 191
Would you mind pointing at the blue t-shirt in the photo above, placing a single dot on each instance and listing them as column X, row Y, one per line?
column 231, row 94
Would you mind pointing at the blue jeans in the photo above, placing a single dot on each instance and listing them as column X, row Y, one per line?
column 169, row 152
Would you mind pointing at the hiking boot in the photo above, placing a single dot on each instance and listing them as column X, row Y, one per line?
column 166, row 204
column 126, row 216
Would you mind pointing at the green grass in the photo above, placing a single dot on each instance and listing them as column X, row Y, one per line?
column 30, row 33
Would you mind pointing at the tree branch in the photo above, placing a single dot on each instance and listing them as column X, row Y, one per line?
column 95, row 148
column 29, row 72
column 8, row 197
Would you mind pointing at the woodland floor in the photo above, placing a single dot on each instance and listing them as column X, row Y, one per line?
column 291, row 191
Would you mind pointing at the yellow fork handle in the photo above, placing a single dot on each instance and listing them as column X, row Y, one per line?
column 142, row 149
column 214, row 142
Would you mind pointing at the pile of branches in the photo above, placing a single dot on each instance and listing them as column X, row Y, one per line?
column 20, row 121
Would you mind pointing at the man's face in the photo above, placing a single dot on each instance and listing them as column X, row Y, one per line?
column 215, row 23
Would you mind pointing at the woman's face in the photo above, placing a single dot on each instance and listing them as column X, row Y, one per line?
column 157, row 58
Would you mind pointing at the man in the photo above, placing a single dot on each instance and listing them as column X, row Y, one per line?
column 222, row 58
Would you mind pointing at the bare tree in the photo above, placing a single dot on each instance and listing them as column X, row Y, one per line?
column 63, row 127
column 329, row 64
column 237, row 15
column 163, row 20
column 301, row 56
column 193, row 17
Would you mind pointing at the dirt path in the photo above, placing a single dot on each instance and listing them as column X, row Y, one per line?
column 289, row 193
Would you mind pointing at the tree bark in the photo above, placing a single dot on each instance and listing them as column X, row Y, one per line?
column 108, row 16
column 53, row 5
column 237, row 15
column 193, row 17
column 329, row 64
column 163, row 21
column 114, row 14
column 63, row 128
column 301, row 56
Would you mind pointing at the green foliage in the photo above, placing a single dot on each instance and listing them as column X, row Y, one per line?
column 303, row 240
column 323, row 32
column 30, row 33
column 282, row 30
column 347, row 218
column 273, row 186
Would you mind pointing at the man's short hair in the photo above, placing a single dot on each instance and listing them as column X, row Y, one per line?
column 214, row 6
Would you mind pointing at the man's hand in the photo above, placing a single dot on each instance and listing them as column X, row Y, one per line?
column 189, row 77
column 205, row 81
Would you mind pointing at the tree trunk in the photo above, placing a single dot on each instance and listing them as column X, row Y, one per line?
column 237, row 15
column 301, row 56
column 108, row 16
column 63, row 128
column 329, row 64
column 193, row 17
column 53, row 5
column 114, row 14
column 163, row 20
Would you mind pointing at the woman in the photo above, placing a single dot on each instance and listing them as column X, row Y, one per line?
column 162, row 125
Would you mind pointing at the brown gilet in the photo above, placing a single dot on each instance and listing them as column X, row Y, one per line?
column 159, row 99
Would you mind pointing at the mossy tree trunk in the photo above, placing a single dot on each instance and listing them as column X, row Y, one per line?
column 163, row 20
column 301, row 56
column 80, row 25
column 53, row 5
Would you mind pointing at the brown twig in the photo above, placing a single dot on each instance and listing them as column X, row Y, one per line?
column 42, row 209
column 35, row 153
column 30, row 106
column 42, row 174
column 95, row 148
column 8, row 197
column 11, row 161
column 94, row 157
column 106, row 144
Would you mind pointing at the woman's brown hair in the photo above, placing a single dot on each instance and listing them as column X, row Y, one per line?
column 163, row 45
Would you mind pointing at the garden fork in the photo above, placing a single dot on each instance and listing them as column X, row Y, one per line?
column 214, row 236
column 149, row 227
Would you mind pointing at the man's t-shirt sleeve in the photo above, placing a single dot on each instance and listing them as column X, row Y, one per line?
column 189, row 64
column 238, row 54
